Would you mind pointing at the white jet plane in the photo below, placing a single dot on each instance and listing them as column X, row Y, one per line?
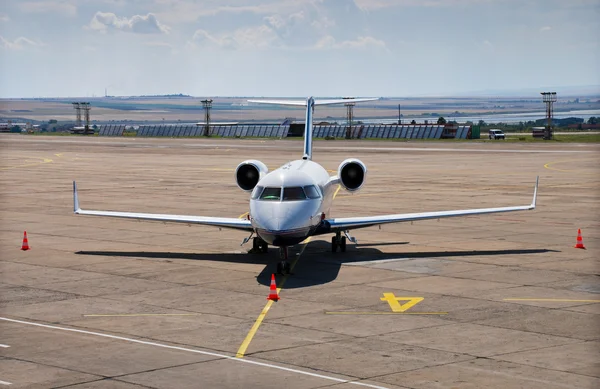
column 293, row 202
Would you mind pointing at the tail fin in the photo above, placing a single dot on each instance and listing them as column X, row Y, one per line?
column 310, row 105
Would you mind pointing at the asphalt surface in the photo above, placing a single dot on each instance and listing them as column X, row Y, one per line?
column 496, row 301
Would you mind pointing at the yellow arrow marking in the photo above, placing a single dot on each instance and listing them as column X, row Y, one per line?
column 395, row 302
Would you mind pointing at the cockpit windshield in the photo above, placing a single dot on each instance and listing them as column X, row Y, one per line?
column 311, row 192
column 272, row 194
column 293, row 193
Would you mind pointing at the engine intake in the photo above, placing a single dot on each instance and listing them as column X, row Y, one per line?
column 248, row 173
column 352, row 174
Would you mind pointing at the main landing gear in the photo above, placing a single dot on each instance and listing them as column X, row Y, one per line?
column 338, row 241
column 283, row 267
column 259, row 245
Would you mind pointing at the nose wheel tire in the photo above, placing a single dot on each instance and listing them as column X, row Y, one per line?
column 338, row 242
column 284, row 267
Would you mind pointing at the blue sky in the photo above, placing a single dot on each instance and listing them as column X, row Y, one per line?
column 295, row 47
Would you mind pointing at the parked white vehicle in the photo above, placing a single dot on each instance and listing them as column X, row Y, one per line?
column 496, row 134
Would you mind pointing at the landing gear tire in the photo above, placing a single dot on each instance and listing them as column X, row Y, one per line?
column 283, row 268
column 259, row 245
column 338, row 241
column 255, row 244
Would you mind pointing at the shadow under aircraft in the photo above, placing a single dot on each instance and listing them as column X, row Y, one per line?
column 318, row 264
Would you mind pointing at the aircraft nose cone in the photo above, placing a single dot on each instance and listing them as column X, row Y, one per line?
column 271, row 223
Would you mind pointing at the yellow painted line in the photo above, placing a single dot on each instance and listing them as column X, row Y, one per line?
column 554, row 300
column 385, row 313
column 549, row 165
column 243, row 215
column 242, row 350
column 43, row 160
column 143, row 314
column 336, row 191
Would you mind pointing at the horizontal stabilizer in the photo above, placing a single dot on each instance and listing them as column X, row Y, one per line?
column 302, row 103
column 297, row 103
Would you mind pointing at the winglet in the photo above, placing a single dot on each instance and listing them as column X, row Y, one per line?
column 537, row 181
column 76, row 208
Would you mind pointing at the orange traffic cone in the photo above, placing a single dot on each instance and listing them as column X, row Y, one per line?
column 579, row 244
column 25, row 245
column 273, row 290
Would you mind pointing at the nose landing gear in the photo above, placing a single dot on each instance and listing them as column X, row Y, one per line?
column 283, row 267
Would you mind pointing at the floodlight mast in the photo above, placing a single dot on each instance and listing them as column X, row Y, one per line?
column 77, row 114
column 349, row 117
column 207, row 104
column 549, row 98
column 86, row 110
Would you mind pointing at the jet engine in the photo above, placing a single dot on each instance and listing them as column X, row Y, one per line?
column 352, row 174
column 248, row 173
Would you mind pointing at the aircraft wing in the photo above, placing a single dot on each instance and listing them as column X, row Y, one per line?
column 222, row 222
column 349, row 223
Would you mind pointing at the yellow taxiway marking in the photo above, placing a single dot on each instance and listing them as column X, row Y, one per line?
column 243, row 215
column 336, row 191
column 384, row 313
column 554, row 300
column 143, row 314
column 549, row 166
column 395, row 302
column 43, row 160
column 242, row 350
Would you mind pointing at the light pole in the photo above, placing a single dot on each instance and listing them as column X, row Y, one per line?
column 349, row 117
column 207, row 104
column 549, row 98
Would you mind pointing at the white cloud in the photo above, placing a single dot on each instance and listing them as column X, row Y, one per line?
column 65, row 7
column 107, row 21
column 4, row 18
column 545, row 28
column 18, row 44
column 260, row 37
column 362, row 42
column 188, row 11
